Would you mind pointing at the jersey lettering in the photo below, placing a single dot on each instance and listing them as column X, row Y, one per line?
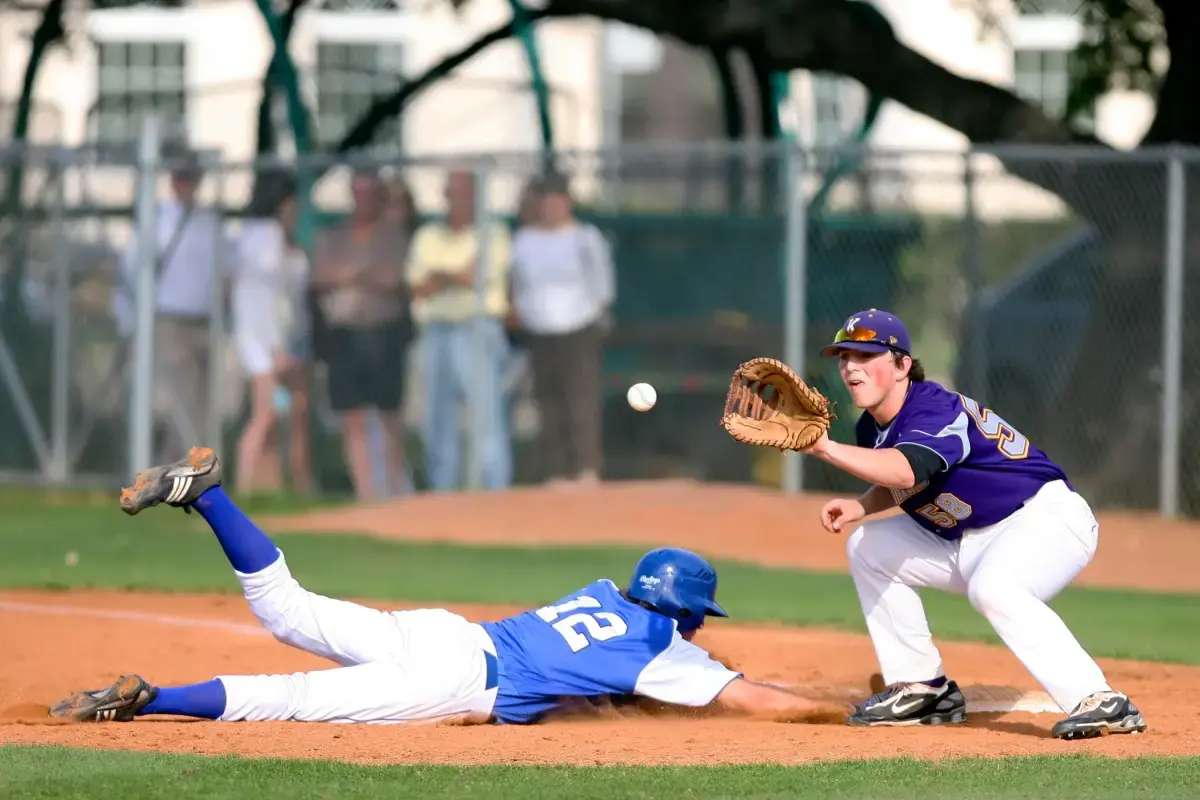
column 567, row 627
column 1009, row 441
column 900, row 495
column 991, row 471
column 945, row 511
column 615, row 649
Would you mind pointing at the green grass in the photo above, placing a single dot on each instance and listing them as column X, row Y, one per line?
column 165, row 551
column 30, row 773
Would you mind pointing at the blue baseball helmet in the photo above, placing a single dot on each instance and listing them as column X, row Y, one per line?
column 677, row 583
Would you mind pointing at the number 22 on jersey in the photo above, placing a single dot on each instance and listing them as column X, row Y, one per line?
column 569, row 626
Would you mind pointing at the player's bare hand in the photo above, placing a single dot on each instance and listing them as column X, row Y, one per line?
column 837, row 514
column 819, row 447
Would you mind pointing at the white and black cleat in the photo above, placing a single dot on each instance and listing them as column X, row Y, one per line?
column 1100, row 714
column 179, row 484
column 905, row 704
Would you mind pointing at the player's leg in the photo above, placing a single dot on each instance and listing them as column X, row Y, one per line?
column 443, row 402
column 344, row 632
column 478, row 354
column 889, row 559
column 447, row 673
column 1012, row 571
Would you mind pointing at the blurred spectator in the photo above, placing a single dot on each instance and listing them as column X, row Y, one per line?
column 402, row 208
column 272, row 333
column 193, row 256
column 517, row 372
column 446, row 260
column 562, row 291
column 529, row 208
column 358, row 278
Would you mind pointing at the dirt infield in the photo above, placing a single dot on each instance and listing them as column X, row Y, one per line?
column 77, row 640
column 84, row 639
column 1137, row 551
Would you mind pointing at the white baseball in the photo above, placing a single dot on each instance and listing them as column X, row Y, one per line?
column 641, row 396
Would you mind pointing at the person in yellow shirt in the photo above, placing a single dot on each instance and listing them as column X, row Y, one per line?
column 460, row 303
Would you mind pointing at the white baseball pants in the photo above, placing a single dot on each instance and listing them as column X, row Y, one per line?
column 1008, row 571
column 402, row 666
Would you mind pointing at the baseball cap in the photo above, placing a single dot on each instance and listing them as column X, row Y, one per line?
column 870, row 331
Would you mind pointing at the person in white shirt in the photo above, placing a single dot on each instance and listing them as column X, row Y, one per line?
column 192, row 257
column 272, row 332
column 563, row 287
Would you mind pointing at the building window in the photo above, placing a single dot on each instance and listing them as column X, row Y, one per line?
column 1044, row 77
column 1038, row 8
column 359, row 5
column 135, row 78
column 120, row 5
column 828, row 113
column 350, row 75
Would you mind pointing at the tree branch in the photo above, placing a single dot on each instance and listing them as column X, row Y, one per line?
column 387, row 106
column 731, row 105
column 50, row 31
column 852, row 38
column 845, row 37
column 760, row 64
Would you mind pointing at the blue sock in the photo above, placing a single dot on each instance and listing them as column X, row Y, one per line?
column 246, row 546
column 203, row 700
column 936, row 683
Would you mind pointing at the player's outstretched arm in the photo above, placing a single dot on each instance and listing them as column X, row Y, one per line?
column 885, row 467
column 764, row 700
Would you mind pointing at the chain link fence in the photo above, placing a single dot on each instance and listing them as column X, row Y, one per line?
column 1036, row 282
column 62, row 411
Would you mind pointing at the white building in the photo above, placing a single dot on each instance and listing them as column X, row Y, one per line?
column 204, row 60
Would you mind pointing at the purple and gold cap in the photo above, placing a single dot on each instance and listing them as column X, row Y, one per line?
column 870, row 331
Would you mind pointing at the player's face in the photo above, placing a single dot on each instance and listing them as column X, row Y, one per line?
column 869, row 377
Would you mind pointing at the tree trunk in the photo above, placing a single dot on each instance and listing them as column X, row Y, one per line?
column 49, row 32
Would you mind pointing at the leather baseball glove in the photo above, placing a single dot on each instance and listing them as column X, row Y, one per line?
column 769, row 404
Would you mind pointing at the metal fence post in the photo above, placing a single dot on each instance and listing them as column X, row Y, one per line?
column 59, row 464
column 141, row 405
column 1168, row 483
column 972, row 254
column 481, row 391
column 216, row 329
column 795, row 308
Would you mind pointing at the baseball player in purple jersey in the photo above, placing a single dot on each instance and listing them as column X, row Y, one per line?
column 602, row 641
column 987, row 514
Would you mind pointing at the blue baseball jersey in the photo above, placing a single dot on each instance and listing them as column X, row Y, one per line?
column 989, row 468
column 595, row 643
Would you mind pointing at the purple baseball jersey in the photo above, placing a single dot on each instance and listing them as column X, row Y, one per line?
column 990, row 468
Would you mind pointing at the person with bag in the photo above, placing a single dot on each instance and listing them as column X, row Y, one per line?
column 563, row 287
column 193, row 260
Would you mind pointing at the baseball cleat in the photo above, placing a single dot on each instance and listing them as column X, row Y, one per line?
column 904, row 704
column 118, row 703
column 1100, row 714
column 179, row 484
